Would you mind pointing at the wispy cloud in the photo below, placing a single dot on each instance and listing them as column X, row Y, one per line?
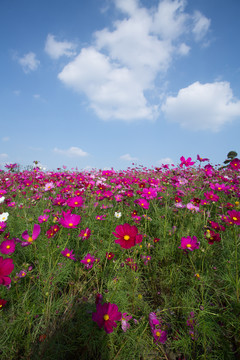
column 55, row 49
column 29, row 62
column 120, row 67
column 128, row 157
column 71, row 152
column 203, row 106
column 3, row 156
column 5, row 138
column 166, row 160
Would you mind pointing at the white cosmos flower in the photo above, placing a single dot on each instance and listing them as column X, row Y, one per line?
column 2, row 199
column 118, row 214
column 4, row 216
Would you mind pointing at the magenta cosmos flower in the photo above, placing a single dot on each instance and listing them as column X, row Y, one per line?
column 88, row 261
column 3, row 226
column 234, row 216
column 189, row 243
column 7, row 247
column 29, row 239
column 85, row 234
column 70, row 220
column 187, row 162
column 127, row 236
column 106, row 316
column 68, row 253
column 76, row 201
column 6, row 267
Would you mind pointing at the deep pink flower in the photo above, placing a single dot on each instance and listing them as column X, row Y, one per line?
column 187, row 162
column 127, row 236
column 2, row 303
column 106, row 316
column 30, row 239
column 211, row 196
column 110, row 255
column 235, row 164
column 211, row 236
column 68, row 253
column 88, row 261
column 3, row 226
column 85, row 234
column 149, row 193
column 143, row 203
column 100, row 217
column 234, row 216
column 201, row 159
column 70, row 221
column 189, row 243
column 7, row 247
column 43, row 218
column 155, row 324
column 6, row 267
column 76, row 201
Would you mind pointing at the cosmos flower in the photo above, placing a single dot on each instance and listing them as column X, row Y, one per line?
column 127, row 236
column 88, row 261
column 106, row 316
column 189, row 243
column 85, row 234
column 68, row 253
column 4, row 216
column 6, row 267
column 29, row 239
column 7, row 247
column 70, row 221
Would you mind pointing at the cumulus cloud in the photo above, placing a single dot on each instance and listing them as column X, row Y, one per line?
column 55, row 49
column 203, row 106
column 29, row 62
column 71, row 152
column 118, row 71
column 128, row 157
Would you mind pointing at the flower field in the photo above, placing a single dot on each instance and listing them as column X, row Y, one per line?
column 135, row 264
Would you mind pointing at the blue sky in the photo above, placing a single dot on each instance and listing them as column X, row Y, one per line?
column 108, row 83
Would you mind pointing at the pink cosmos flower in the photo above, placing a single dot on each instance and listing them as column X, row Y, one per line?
column 143, row 203
column 6, row 267
column 68, row 253
column 235, row 164
column 124, row 321
column 88, row 261
column 201, row 159
column 43, row 218
column 189, row 243
column 127, row 236
column 234, row 216
column 3, row 226
column 187, row 162
column 76, row 201
column 7, row 247
column 106, row 316
column 29, row 239
column 211, row 236
column 100, row 217
column 192, row 207
column 155, row 325
column 70, row 220
column 211, row 196
column 149, row 193
column 85, row 234
column 2, row 303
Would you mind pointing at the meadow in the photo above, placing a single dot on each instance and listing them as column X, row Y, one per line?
column 133, row 264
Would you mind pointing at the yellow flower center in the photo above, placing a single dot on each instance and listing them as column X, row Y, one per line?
column 126, row 237
column 30, row 239
column 85, row 234
column 158, row 333
column 8, row 247
column 189, row 245
column 76, row 203
column 234, row 218
column 0, row 306
column 88, row 260
column 67, row 254
column 71, row 224
column 106, row 317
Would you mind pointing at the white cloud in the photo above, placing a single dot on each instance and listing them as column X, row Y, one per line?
column 3, row 156
column 5, row 138
column 71, row 152
column 201, row 25
column 120, row 68
column 166, row 160
column 56, row 49
column 29, row 62
column 203, row 106
column 128, row 157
